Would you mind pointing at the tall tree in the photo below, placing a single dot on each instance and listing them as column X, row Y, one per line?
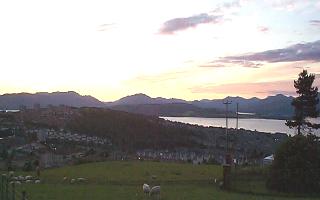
column 305, row 104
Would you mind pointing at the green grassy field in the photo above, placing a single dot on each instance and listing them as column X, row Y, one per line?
column 122, row 180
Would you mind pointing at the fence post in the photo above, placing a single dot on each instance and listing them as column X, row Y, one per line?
column 226, row 176
column 13, row 191
column 7, row 187
column 24, row 195
column 1, row 187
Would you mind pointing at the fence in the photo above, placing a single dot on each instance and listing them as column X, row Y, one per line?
column 10, row 189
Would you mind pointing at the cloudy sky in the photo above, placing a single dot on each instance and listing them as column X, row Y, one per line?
column 171, row 48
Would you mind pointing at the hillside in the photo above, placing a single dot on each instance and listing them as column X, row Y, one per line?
column 138, row 99
column 170, row 109
column 15, row 101
column 122, row 180
column 130, row 132
column 278, row 106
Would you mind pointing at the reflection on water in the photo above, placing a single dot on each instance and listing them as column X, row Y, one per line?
column 9, row 110
column 263, row 125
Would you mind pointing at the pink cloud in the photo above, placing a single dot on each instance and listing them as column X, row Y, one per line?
column 178, row 24
column 288, row 5
column 315, row 23
column 216, row 16
column 252, row 89
column 263, row 29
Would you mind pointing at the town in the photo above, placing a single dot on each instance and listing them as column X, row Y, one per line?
column 42, row 134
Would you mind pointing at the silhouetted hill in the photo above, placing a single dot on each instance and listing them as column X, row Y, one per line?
column 14, row 101
column 131, row 131
column 278, row 106
column 137, row 99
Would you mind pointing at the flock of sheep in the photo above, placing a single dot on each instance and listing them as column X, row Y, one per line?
column 147, row 190
column 74, row 180
column 18, row 180
column 151, row 191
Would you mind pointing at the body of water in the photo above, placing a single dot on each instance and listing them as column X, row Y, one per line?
column 9, row 110
column 263, row 125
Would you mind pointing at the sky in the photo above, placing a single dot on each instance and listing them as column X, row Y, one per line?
column 204, row 49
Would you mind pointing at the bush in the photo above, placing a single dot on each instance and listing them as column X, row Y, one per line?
column 296, row 167
column 212, row 161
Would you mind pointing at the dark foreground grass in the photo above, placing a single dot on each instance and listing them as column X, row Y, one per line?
column 123, row 181
column 130, row 172
column 127, row 192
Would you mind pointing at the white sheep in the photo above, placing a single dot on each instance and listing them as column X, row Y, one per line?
column 72, row 181
column 21, row 178
column 81, row 179
column 11, row 173
column 28, row 181
column 28, row 177
column 18, row 182
column 37, row 181
column 65, row 179
column 146, row 188
column 221, row 184
column 155, row 190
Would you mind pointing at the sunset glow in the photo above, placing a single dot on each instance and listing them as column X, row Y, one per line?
column 177, row 49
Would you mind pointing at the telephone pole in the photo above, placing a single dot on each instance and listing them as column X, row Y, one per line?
column 227, row 103
column 237, row 117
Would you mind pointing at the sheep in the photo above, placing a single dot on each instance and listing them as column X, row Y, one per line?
column 65, row 179
column 81, row 179
column 37, row 181
column 155, row 190
column 221, row 184
column 11, row 173
column 146, row 188
column 214, row 180
column 18, row 182
column 72, row 181
column 21, row 178
column 28, row 177
column 28, row 181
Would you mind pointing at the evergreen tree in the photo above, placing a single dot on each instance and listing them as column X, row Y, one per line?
column 305, row 105
column 296, row 165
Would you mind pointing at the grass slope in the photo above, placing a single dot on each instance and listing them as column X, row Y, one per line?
column 122, row 180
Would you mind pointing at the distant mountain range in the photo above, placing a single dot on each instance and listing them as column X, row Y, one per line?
column 138, row 99
column 15, row 101
column 278, row 106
